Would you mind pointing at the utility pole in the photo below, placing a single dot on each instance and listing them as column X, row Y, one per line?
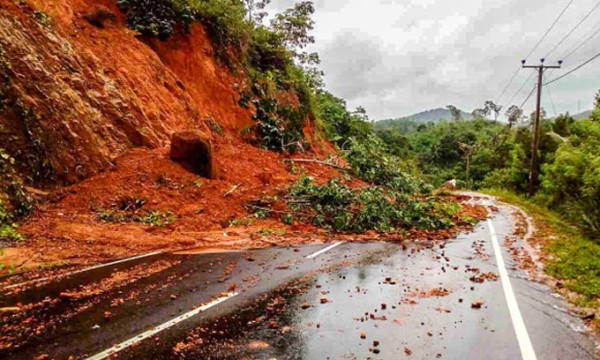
column 533, row 169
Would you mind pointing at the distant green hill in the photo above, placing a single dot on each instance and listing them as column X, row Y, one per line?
column 433, row 115
column 409, row 124
column 583, row 115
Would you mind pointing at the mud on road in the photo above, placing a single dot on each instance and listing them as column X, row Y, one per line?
column 381, row 300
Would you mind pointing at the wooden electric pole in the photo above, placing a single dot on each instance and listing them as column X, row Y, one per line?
column 533, row 169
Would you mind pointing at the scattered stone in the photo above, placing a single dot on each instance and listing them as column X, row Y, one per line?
column 324, row 300
column 173, row 297
column 375, row 343
column 363, row 335
column 407, row 351
column 477, row 304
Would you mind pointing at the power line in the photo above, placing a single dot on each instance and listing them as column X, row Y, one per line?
column 507, row 85
column 573, row 70
column 549, row 29
column 533, row 49
column 528, row 96
column 521, row 88
column 573, row 29
column 551, row 102
column 582, row 43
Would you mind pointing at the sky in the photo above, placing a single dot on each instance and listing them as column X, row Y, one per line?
column 399, row 57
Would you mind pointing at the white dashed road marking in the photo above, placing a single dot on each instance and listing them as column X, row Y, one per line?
column 312, row 256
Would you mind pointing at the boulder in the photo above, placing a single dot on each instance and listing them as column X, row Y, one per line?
column 194, row 152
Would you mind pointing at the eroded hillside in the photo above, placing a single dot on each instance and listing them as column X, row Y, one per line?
column 88, row 110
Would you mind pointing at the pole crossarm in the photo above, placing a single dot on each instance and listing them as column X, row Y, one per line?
column 541, row 66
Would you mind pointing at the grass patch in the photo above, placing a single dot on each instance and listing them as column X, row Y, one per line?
column 572, row 258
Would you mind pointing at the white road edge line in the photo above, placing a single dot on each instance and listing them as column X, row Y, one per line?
column 84, row 270
column 138, row 338
column 312, row 256
column 527, row 351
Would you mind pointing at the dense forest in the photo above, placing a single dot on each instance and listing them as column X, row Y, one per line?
column 485, row 154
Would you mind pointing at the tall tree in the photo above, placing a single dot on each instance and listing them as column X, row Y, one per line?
column 479, row 113
column 514, row 114
column 468, row 150
column 492, row 108
column 256, row 10
column 294, row 26
column 454, row 112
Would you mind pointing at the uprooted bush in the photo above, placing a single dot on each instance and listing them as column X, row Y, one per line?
column 279, row 127
column 370, row 161
column 339, row 207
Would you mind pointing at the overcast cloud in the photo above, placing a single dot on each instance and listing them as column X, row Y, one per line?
column 398, row 57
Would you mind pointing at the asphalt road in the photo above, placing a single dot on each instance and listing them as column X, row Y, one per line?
column 332, row 301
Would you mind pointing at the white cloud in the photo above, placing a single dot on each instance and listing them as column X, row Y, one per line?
column 396, row 57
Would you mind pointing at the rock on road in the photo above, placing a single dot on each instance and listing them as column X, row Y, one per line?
column 462, row 299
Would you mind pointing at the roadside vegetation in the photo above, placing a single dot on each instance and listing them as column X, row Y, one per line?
column 495, row 157
column 571, row 257
column 487, row 154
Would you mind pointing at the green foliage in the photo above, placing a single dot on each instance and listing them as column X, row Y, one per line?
column 442, row 150
column 8, row 230
column 571, row 182
column 247, row 221
column 341, row 124
column 225, row 21
column 277, row 133
column 574, row 258
column 401, row 126
column 371, row 161
column 157, row 18
column 43, row 18
column 339, row 207
column 12, row 187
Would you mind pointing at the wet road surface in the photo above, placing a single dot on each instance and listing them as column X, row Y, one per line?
column 421, row 300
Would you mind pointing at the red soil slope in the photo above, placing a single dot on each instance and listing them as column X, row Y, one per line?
column 106, row 104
